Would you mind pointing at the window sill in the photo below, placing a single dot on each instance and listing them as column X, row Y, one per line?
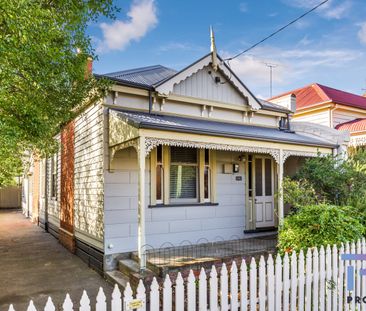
column 182, row 205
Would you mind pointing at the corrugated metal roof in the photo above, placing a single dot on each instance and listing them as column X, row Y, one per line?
column 201, row 126
column 356, row 125
column 146, row 76
column 316, row 93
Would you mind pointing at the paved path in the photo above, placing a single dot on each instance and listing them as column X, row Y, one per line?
column 33, row 265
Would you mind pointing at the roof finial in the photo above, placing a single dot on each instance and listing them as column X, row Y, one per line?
column 213, row 49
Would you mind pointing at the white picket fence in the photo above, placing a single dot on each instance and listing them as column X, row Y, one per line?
column 315, row 281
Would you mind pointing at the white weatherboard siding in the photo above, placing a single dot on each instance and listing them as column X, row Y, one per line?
column 322, row 117
column 53, row 207
column 88, row 177
column 169, row 224
column 341, row 116
column 202, row 85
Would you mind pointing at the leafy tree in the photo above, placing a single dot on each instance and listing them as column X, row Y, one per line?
column 43, row 78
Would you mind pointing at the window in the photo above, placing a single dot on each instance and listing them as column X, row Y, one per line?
column 268, row 177
column 54, row 177
column 42, row 177
column 159, row 174
column 206, row 176
column 250, row 175
column 258, row 178
column 183, row 174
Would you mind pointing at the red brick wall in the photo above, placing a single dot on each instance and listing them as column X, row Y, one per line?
column 66, row 234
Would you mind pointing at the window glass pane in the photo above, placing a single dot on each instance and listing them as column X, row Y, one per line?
column 206, row 182
column 258, row 177
column 207, row 157
column 268, row 176
column 158, row 182
column 250, row 178
column 183, row 155
column 159, row 153
column 183, row 182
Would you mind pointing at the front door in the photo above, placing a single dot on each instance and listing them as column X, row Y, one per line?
column 264, row 191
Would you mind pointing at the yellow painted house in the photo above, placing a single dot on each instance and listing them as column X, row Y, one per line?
column 330, row 107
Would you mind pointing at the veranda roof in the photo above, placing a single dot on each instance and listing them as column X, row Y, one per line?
column 206, row 127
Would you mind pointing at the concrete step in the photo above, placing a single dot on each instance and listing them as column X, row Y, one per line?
column 130, row 269
column 128, row 266
column 149, row 265
column 117, row 277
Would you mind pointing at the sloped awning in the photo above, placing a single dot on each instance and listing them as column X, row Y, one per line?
column 200, row 126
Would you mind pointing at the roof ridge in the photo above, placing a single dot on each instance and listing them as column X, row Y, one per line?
column 329, row 87
column 291, row 91
column 323, row 94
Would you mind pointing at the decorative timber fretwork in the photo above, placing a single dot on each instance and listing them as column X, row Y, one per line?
column 151, row 143
column 289, row 153
column 129, row 143
column 357, row 141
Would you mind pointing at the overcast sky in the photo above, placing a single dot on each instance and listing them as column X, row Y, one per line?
column 328, row 46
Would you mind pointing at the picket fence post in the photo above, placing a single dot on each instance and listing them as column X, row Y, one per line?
column 68, row 305
column 301, row 269
column 179, row 293
column 243, row 286
column 262, row 284
column 202, row 290
column 101, row 301
column 293, row 281
column 253, row 285
column 84, row 302
column 234, row 287
column 167, row 294
column 116, row 303
column 278, row 284
column 270, row 283
column 213, row 289
column 286, row 283
column 315, row 279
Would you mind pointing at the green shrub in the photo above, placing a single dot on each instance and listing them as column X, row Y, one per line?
column 317, row 225
column 298, row 193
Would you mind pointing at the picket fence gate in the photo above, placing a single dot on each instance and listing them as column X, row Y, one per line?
column 315, row 281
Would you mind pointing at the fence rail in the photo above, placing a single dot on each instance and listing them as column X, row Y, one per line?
column 317, row 280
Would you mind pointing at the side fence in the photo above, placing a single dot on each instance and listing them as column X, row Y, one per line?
column 317, row 280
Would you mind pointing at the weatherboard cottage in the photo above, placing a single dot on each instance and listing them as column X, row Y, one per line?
column 170, row 156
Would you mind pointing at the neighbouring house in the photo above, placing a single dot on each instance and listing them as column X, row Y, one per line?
column 330, row 107
column 170, row 156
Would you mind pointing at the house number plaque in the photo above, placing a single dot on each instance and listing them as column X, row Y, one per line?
column 134, row 304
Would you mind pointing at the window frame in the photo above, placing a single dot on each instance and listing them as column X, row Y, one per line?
column 201, row 165
column 197, row 166
column 54, row 177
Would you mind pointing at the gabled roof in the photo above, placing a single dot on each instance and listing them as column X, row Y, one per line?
column 356, row 125
column 162, row 79
column 316, row 93
column 145, row 76
column 207, row 127
column 166, row 86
